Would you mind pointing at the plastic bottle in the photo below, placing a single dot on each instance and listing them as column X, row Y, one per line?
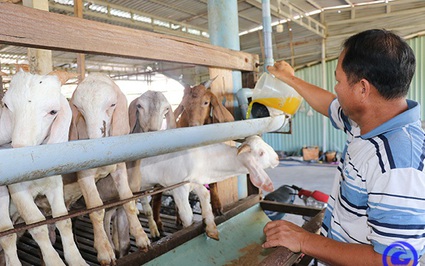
column 276, row 94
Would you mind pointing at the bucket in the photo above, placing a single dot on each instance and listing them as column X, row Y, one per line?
column 274, row 93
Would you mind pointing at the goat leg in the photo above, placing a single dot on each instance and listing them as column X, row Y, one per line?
column 105, row 252
column 31, row 214
column 207, row 215
column 215, row 200
column 55, row 197
column 156, row 209
column 8, row 242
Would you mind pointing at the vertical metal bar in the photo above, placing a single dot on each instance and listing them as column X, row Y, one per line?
column 324, row 86
column 267, row 32
column 223, row 26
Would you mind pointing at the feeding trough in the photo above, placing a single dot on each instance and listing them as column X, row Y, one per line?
column 241, row 236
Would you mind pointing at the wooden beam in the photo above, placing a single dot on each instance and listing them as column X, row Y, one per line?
column 283, row 256
column 222, row 87
column 40, row 29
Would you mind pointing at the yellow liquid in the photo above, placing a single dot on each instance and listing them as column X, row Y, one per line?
column 288, row 105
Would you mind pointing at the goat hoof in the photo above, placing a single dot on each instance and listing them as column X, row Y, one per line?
column 156, row 238
column 145, row 249
column 218, row 212
column 106, row 263
column 213, row 235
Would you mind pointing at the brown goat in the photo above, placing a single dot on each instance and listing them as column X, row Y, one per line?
column 197, row 105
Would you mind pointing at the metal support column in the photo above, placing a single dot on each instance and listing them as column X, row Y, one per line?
column 223, row 26
column 267, row 34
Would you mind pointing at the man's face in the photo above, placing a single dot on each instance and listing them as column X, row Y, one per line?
column 344, row 91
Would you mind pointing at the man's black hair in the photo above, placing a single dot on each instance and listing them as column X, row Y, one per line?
column 381, row 57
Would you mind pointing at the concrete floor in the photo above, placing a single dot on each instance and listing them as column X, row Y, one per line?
column 307, row 175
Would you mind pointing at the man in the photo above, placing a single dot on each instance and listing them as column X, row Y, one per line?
column 378, row 196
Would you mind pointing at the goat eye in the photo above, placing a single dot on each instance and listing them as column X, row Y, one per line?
column 112, row 105
column 5, row 105
column 139, row 106
column 206, row 103
column 53, row 112
column 261, row 153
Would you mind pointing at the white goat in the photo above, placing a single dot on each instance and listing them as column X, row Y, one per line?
column 203, row 165
column 146, row 113
column 195, row 165
column 35, row 113
column 199, row 106
column 100, row 110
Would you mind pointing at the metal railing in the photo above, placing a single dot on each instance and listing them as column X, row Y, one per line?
column 30, row 163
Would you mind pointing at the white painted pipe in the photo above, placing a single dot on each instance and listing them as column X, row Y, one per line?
column 267, row 32
column 30, row 163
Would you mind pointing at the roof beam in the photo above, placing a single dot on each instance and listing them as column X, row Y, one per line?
column 316, row 5
column 405, row 13
column 295, row 14
column 181, row 31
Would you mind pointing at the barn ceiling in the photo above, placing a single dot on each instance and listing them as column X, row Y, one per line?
column 299, row 28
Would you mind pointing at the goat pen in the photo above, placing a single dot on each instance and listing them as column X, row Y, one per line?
column 27, row 27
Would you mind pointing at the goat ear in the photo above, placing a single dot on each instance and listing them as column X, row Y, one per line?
column 178, row 111
column 63, row 76
column 220, row 113
column 170, row 118
column 132, row 115
column 120, row 124
column 60, row 127
column 78, row 129
column 6, row 123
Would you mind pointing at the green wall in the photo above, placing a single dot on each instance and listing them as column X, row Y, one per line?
column 307, row 127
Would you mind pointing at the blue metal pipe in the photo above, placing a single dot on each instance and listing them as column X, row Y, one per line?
column 242, row 95
column 223, row 27
column 267, row 34
column 223, row 24
column 30, row 163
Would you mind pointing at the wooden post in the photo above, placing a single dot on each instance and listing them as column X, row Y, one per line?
column 81, row 58
column 39, row 60
column 222, row 87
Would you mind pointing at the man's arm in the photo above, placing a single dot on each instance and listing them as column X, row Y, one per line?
column 329, row 251
column 316, row 97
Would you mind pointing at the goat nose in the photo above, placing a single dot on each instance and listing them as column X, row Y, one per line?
column 103, row 129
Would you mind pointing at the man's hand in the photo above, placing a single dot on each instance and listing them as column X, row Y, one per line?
column 281, row 70
column 285, row 234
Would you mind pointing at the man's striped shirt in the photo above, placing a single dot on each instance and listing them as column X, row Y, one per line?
column 379, row 190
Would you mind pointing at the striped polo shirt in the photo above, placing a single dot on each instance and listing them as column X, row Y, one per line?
column 378, row 195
